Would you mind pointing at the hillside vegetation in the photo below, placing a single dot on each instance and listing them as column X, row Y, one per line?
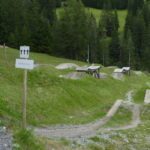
column 108, row 33
column 54, row 100
column 97, row 13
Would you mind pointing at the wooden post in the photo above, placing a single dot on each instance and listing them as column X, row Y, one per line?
column 24, row 100
column 129, row 62
column 103, row 58
column 88, row 54
column 5, row 54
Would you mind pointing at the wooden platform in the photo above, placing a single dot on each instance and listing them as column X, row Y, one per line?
column 123, row 70
column 93, row 70
column 147, row 97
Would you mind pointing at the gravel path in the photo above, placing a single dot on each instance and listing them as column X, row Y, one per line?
column 77, row 131
column 71, row 131
column 91, row 129
column 5, row 141
column 135, row 108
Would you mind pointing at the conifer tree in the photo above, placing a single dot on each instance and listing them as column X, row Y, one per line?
column 71, row 31
column 115, row 49
column 92, row 37
column 109, row 21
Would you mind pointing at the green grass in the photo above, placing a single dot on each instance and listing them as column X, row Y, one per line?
column 121, row 118
column 24, row 139
column 97, row 12
column 54, row 100
column 140, row 94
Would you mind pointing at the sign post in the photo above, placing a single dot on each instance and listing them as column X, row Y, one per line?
column 26, row 64
column 24, row 105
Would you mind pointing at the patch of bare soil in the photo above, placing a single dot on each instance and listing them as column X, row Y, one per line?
column 66, row 66
column 74, row 75
column 118, row 76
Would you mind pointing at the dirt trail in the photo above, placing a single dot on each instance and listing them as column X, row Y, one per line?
column 71, row 131
column 135, row 108
column 91, row 129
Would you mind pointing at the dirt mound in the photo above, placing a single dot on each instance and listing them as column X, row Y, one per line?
column 103, row 75
column 139, row 73
column 74, row 75
column 2, row 46
column 91, row 129
column 118, row 76
column 66, row 66
column 112, row 67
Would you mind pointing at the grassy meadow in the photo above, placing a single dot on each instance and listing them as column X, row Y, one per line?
column 54, row 100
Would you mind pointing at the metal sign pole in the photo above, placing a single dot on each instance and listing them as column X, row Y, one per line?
column 24, row 101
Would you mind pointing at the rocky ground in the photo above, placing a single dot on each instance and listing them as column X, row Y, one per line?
column 5, row 140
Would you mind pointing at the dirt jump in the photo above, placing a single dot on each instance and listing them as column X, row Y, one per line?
column 91, row 129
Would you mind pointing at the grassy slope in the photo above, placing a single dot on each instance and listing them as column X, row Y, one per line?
column 137, row 138
column 53, row 100
column 96, row 12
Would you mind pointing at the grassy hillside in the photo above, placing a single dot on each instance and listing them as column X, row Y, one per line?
column 96, row 12
column 54, row 100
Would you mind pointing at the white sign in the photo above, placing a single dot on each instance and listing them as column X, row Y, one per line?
column 24, row 51
column 24, row 64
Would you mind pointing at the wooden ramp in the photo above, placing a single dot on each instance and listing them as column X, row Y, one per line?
column 114, row 108
column 147, row 97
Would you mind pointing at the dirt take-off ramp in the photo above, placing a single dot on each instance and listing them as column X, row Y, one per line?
column 91, row 129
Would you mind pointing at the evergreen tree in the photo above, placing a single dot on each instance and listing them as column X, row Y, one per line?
column 146, row 13
column 109, row 21
column 138, row 31
column 134, row 6
column 128, row 51
column 115, row 4
column 92, row 37
column 146, row 51
column 103, row 55
column 48, row 9
column 138, row 22
column 128, row 24
column 26, row 22
column 11, row 18
column 115, row 49
column 71, row 30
